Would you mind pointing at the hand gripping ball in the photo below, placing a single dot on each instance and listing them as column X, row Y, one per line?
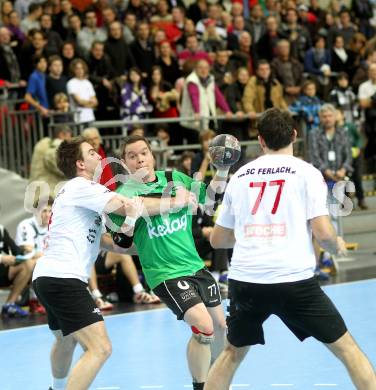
column 224, row 150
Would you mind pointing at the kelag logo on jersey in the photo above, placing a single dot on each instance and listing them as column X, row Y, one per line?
column 167, row 228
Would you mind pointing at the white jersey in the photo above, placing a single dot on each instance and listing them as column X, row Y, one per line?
column 75, row 230
column 268, row 204
column 30, row 233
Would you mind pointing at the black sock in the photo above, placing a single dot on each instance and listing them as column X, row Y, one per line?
column 198, row 386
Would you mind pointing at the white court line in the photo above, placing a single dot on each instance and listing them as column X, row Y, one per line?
column 326, row 384
column 109, row 388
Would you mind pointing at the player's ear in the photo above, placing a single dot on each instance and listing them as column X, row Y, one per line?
column 261, row 141
column 80, row 164
column 294, row 136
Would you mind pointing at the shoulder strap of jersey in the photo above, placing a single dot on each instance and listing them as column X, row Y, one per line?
column 35, row 230
column 169, row 178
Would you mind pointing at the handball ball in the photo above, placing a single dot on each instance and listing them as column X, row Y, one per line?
column 224, row 150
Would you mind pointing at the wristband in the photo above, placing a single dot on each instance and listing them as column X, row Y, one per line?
column 130, row 221
column 222, row 173
column 96, row 294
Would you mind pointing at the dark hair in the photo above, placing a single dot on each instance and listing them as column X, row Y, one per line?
column 36, row 58
column 276, row 127
column 342, row 75
column 262, row 62
column 131, row 139
column 67, row 154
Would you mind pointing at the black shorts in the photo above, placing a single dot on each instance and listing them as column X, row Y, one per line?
column 4, row 276
column 180, row 294
column 68, row 303
column 303, row 307
column 100, row 264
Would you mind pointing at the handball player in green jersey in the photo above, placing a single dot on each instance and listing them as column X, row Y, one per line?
column 169, row 259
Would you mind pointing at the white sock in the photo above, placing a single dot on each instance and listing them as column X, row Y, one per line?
column 59, row 383
column 137, row 288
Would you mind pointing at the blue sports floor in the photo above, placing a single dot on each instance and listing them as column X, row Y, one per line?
column 149, row 351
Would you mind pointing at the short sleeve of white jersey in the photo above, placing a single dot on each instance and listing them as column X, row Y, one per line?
column 25, row 234
column 317, row 192
column 90, row 195
column 226, row 217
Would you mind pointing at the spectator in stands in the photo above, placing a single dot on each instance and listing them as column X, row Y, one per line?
column 61, row 19
column 36, row 93
column 168, row 63
column 118, row 51
column 234, row 96
column 201, row 163
column 185, row 162
column 317, row 63
column 129, row 27
column 211, row 40
column 56, row 82
column 363, row 11
column 214, row 13
column 237, row 28
column 197, row 10
column 330, row 148
column 101, row 75
column 134, row 101
column 43, row 166
column 288, row 71
column 9, row 66
column 343, row 98
column 62, row 113
column 68, row 54
column 308, row 106
column 74, row 28
column 54, row 41
column 367, row 101
column 297, row 35
column 356, row 50
column 222, row 69
column 263, row 91
column 353, row 133
column 267, row 44
column 246, row 55
column 13, row 25
column 109, row 15
column 162, row 12
column 142, row 9
column 162, row 96
column 31, row 237
column 81, row 92
column 31, row 21
column 192, row 51
column 34, row 46
column 142, row 49
column 341, row 59
column 361, row 73
column 345, row 28
column 201, row 97
column 13, row 275
column 124, row 264
column 257, row 28
column 93, row 137
column 6, row 9
column 90, row 32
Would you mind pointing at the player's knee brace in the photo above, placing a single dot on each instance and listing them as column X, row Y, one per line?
column 201, row 337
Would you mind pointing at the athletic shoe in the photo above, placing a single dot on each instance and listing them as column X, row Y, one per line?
column 35, row 307
column 327, row 265
column 321, row 275
column 13, row 310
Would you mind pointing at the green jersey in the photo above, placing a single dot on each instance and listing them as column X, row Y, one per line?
column 164, row 243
